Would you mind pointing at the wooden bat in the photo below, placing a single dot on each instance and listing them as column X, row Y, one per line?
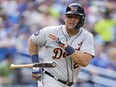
column 42, row 65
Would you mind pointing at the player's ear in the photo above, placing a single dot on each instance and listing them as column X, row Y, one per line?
column 64, row 17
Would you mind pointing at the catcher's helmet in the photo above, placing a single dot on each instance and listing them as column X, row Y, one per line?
column 76, row 9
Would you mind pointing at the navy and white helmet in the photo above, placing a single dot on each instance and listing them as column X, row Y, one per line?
column 76, row 9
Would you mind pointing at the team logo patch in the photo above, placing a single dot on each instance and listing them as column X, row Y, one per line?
column 36, row 33
column 73, row 8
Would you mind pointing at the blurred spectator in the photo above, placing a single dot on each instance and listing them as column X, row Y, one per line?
column 23, row 26
column 32, row 15
column 101, row 59
column 7, row 45
column 112, row 58
column 105, row 28
column 6, row 74
column 22, row 5
column 3, row 32
column 47, row 18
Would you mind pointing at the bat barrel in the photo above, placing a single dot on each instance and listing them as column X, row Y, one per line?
column 45, row 65
column 12, row 66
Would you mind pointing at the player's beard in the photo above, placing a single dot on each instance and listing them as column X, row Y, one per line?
column 71, row 30
column 70, row 26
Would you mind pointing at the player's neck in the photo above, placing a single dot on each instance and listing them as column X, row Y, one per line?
column 72, row 32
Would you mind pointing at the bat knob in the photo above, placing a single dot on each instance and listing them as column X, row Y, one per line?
column 53, row 64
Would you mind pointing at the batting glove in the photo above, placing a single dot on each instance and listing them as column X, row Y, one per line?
column 36, row 73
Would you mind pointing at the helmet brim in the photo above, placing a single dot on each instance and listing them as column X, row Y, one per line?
column 73, row 13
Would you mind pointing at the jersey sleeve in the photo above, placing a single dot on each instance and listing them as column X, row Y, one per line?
column 39, row 37
column 88, row 44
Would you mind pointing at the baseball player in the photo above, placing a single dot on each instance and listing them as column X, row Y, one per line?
column 69, row 45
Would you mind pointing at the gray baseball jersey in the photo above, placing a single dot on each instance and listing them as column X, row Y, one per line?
column 66, row 68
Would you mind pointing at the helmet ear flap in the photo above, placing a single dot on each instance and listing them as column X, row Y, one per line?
column 80, row 23
column 82, row 19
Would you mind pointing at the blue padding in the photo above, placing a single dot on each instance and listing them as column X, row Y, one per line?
column 69, row 50
column 35, row 58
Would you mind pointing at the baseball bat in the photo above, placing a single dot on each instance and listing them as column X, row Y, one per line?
column 41, row 65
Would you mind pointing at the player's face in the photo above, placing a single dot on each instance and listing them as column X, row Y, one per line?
column 70, row 20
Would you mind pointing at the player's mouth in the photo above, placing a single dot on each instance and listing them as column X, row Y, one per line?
column 71, row 24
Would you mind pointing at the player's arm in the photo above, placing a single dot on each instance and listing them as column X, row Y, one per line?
column 81, row 58
column 86, row 52
column 34, row 44
column 33, row 50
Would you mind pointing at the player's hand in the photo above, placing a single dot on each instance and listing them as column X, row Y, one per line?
column 57, row 39
column 36, row 73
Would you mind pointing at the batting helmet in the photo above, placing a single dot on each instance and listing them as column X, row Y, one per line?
column 76, row 9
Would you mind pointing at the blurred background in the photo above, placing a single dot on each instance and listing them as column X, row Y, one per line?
column 21, row 18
